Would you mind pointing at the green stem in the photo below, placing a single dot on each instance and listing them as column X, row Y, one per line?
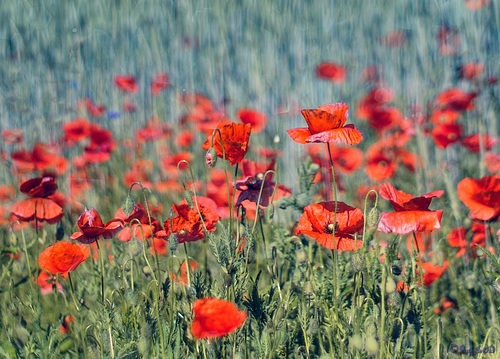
column 421, row 274
column 333, row 232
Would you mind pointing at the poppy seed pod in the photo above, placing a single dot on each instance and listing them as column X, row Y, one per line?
column 357, row 262
column 211, row 157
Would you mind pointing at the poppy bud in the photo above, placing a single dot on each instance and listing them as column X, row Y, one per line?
column 372, row 346
column 357, row 262
column 270, row 212
column 173, row 243
column 211, row 157
column 373, row 217
column 135, row 248
column 390, row 285
column 189, row 199
column 128, row 205
column 357, row 342
column 313, row 327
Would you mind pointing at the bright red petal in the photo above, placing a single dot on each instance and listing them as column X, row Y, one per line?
column 347, row 134
column 410, row 221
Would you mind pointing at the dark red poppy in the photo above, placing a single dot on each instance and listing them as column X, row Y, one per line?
column 411, row 214
column 470, row 71
column 187, row 225
column 126, row 83
column 39, row 187
column 257, row 119
column 91, row 227
column 384, row 117
column 445, row 134
column 331, row 71
column 326, row 125
column 317, row 222
column 215, row 318
column 63, row 257
column 160, row 83
column 481, row 196
column 472, row 142
column 235, row 138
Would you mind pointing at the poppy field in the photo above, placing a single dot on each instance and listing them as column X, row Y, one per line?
column 278, row 179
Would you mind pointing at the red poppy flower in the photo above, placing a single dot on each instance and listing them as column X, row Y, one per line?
column 492, row 161
column 481, row 196
column 380, row 164
column 456, row 238
column 317, row 222
column 432, row 272
column 375, row 98
column 159, row 83
column 331, row 71
column 140, row 229
column 63, row 257
column 187, row 225
column 470, row 71
column 445, row 134
column 183, row 279
column 184, row 139
column 384, row 117
column 76, row 130
column 235, row 137
column 447, row 116
column 445, row 303
column 412, row 213
column 45, row 281
column 326, row 125
column 92, row 227
column 126, row 83
column 7, row 193
column 215, row 318
column 14, row 135
column 347, row 159
column 43, row 157
column 475, row 5
column 257, row 119
column 456, row 99
column 472, row 142
column 39, row 187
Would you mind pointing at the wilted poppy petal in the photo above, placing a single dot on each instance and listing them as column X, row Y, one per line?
column 347, row 134
column 410, row 221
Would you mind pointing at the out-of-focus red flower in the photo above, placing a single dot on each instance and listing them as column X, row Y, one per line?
column 154, row 130
column 317, row 222
column 411, row 214
column 384, row 117
column 63, row 257
column 13, row 135
column 43, row 157
column 481, row 196
column 7, row 193
column 93, row 109
column 257, row 119
column 91, row 227
column 456, row 238
column 184, row 139
column 215, row 318
column 331, row 71
column 456, row 99
column 187, row 225
column 126, row 83
column 432, row 272
column 235, row 138
column 65, row 325
column 77, row 130
column 472, row 142
column 444, row 116
column 45, row 282
column 183, row 279
column 471, row 71
column 377, row 97
column 370, row 74
column 492, row 161
column 475, row 5
column 445, row 134
column 171, row 161
column 128, row 105
column 346, row 159
column 161, row 246
column 444, row 304
column 159, row 83
column 326, row 125
column 448, row 40
column 394, row 39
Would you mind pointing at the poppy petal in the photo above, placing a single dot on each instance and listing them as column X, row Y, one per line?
column 299, row 135
column 348, row 134
column 112, row 228
column 410, row 221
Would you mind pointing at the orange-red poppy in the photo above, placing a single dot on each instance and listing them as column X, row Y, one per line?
column 481, row 196
column 91, row 227
column 432, row 272
column 126, row 83
column 215, row 318
column 257, row 119
column 336, row 73
column 159, row 83
column 187, row 225
column 317, row 222
column 326, row 125
column 183, row 278
column 63, row 257
column 235, row 138
column 76, row 130
column 411, row 214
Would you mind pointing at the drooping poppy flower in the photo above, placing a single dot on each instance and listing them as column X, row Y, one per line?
column 126, row 83
column 63, row 257
column 317, row 222
column 91, row 227
column 411, row 214
column 187, row 225
column 481, row 196
column 215, row 318
column 257, row 119
column 159, row 83
column 326, row 125
column 472, row 142
column 333, row 72
column 235, row 138
column 470, row 71
column 253, row 180
column 38, row 206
